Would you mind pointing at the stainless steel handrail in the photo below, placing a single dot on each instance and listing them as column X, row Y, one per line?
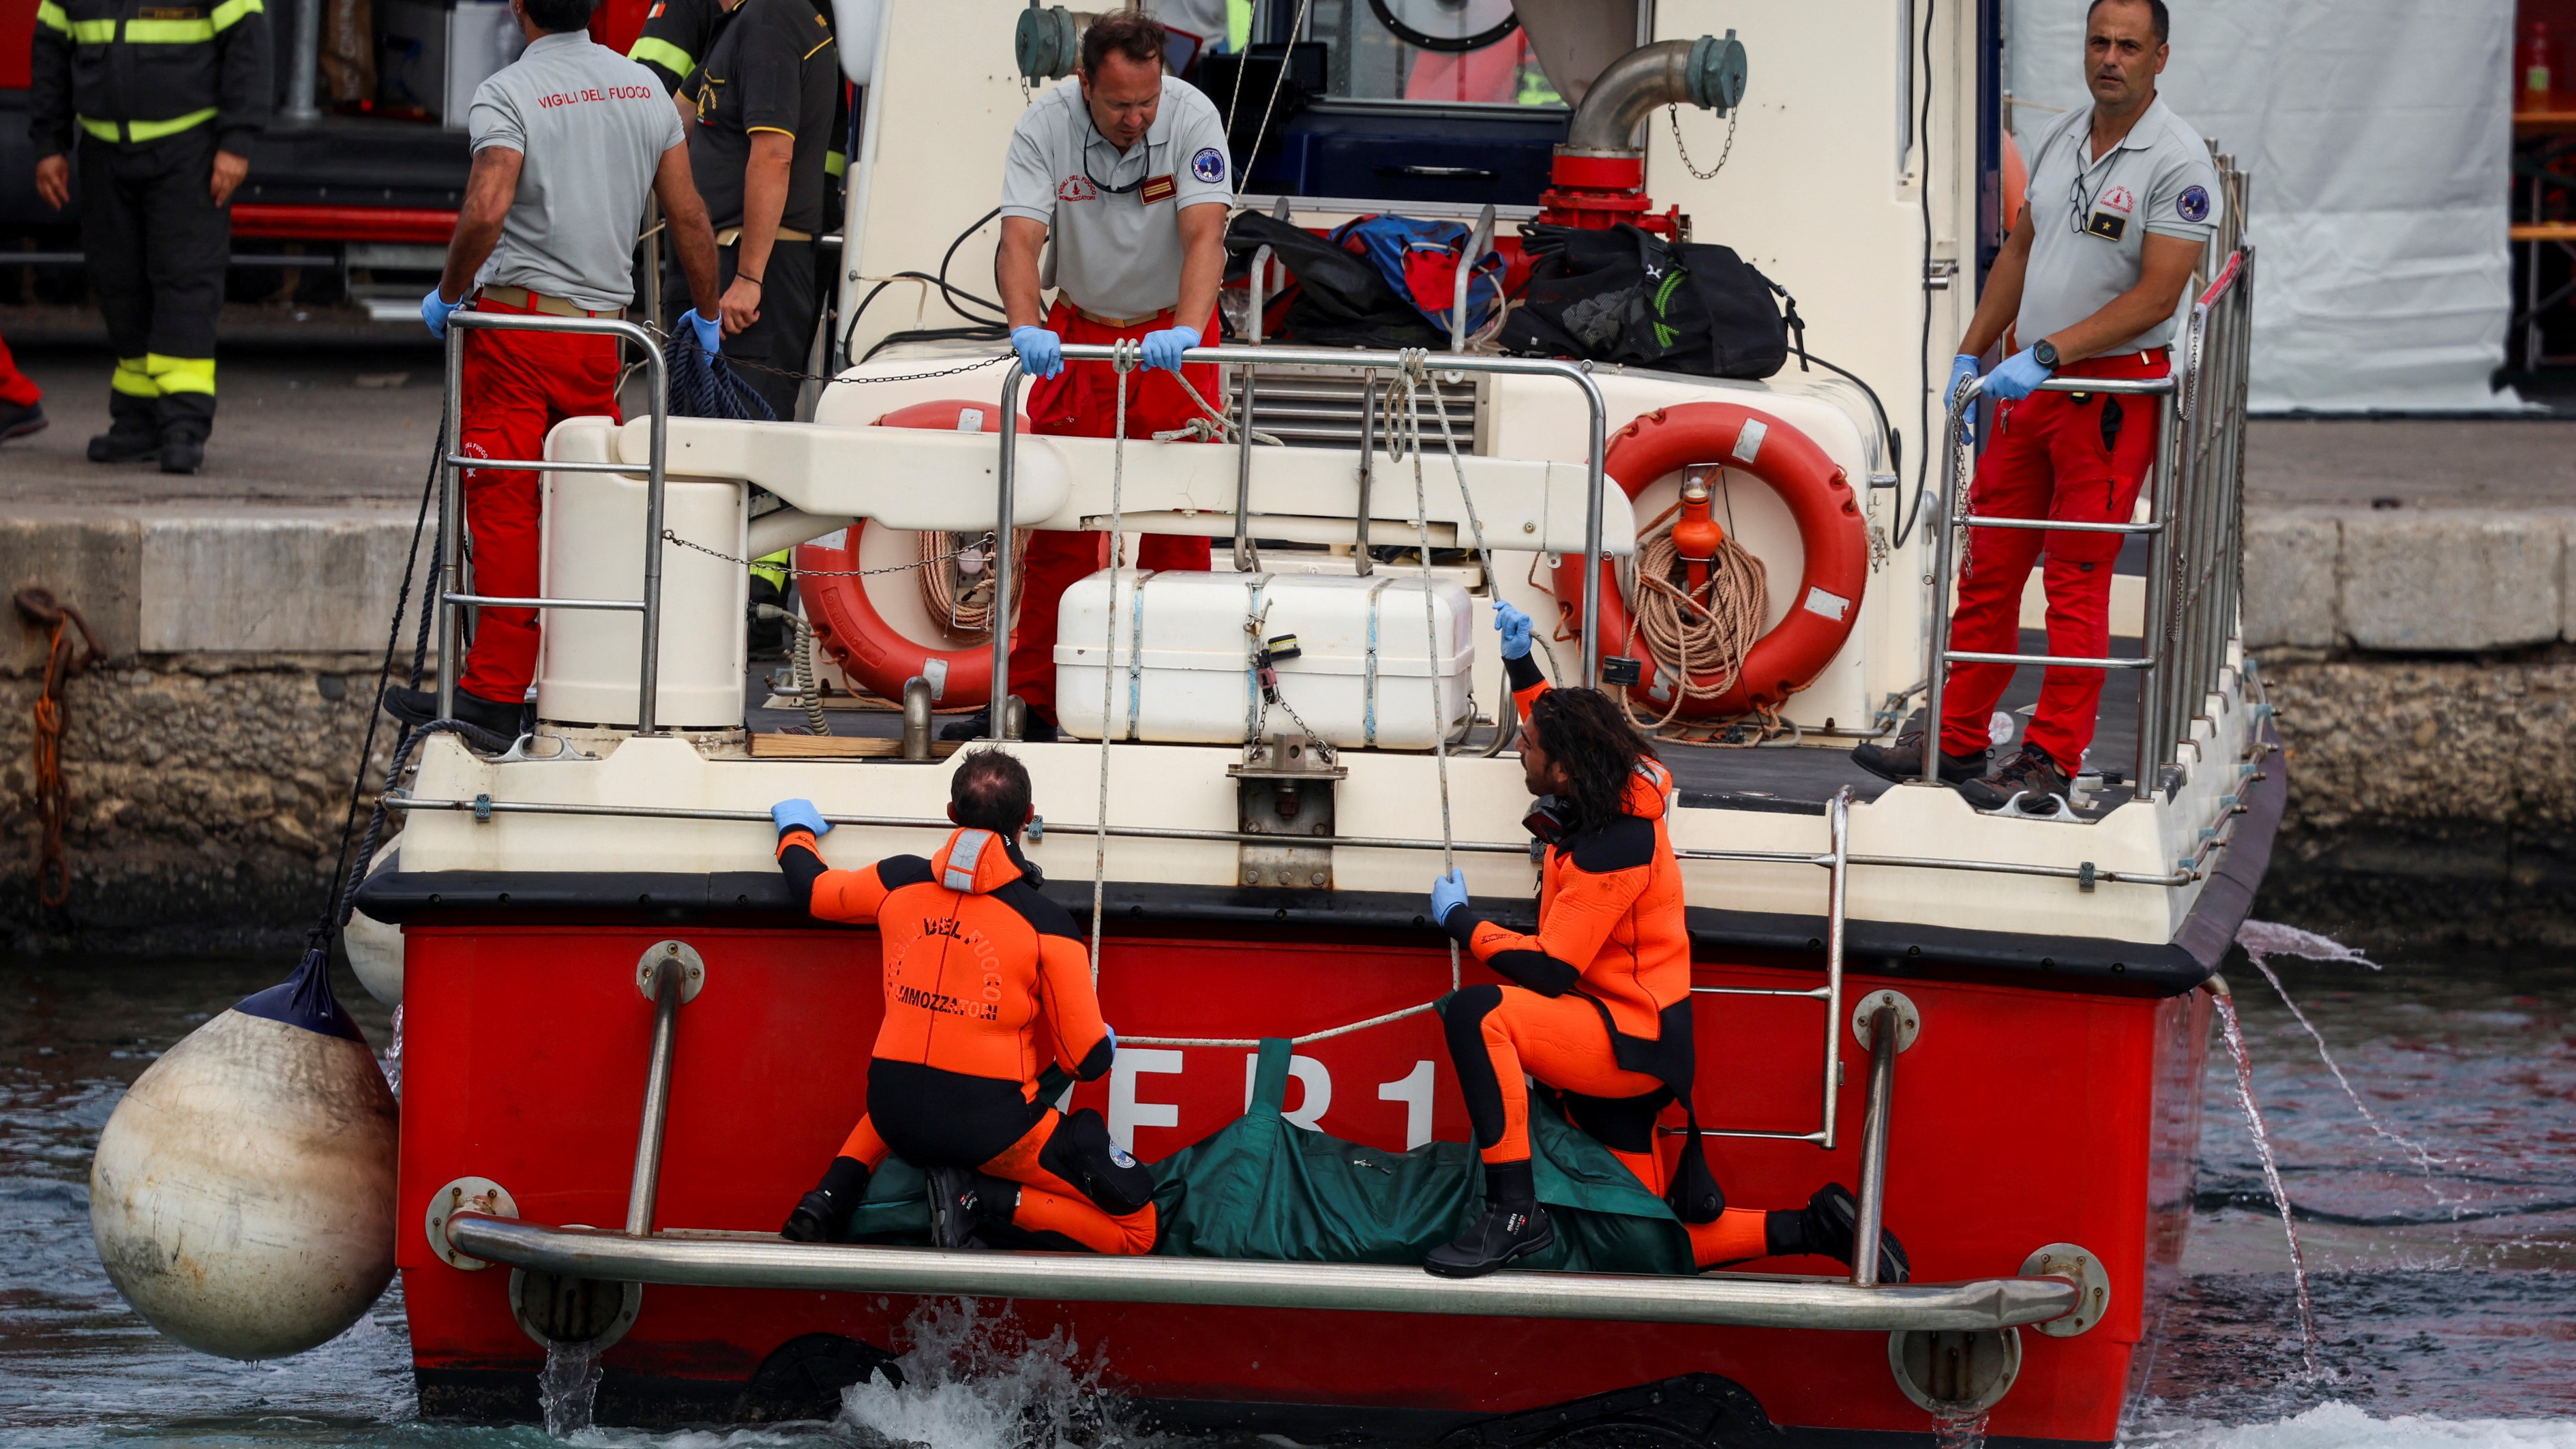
column 748, row 1260
column 646, row 1185
column 455, row 588
column 399, row 800
column 1871, row 1210
column 2194, row 529
column 1354, row 361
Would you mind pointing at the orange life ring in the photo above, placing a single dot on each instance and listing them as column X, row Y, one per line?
column 1830, row 528
column 868, row 648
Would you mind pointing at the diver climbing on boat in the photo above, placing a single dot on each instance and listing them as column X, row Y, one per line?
column 1597, row 1005
column 986, row 982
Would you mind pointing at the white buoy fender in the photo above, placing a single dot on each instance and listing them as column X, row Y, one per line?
column 242, row 1197
column 376, row 949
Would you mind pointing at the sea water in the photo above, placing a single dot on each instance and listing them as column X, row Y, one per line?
column 2439, row 1232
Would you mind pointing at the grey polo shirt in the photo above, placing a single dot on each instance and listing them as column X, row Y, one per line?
column 1115, row 220
column 590, row 126
column 2090, row 218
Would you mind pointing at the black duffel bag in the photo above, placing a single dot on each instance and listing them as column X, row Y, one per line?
column 1341, row 299
column 1628, row 296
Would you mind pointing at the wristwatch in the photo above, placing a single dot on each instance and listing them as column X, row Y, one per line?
column 2045, row 353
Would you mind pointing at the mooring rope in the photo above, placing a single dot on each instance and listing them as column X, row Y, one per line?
column 1123, row 356
column 1718, row 622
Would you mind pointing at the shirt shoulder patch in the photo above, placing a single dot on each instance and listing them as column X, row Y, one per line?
column 2193, row 203
column 1208, row 165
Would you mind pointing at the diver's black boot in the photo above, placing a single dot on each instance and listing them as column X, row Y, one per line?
column 1514, row 1226
column 821, row 1216
column 1824, row 1227
column 964, row 1201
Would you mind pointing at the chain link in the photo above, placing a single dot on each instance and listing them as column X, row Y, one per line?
column 1675, row 113
column 983, row 541
column 664, row 337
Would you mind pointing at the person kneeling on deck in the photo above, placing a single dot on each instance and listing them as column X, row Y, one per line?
column 1597, row 1005
column 985, row 981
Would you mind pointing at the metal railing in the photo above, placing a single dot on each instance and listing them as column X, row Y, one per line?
column 455, row 588
column 1336, row 358
column 2194, row 528
column 1837, row 863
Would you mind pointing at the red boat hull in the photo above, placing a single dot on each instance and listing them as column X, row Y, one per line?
column 2028, row 1112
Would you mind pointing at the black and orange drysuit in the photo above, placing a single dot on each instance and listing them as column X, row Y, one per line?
column 1598, row 1007
column 986, row 981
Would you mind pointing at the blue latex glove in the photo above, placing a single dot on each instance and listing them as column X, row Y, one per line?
column 1041, row 352
column 1163, row 349
column 2016, row 377
column 1448, row 893
column 1963, row 368
column 1515, row 627
column 435, row 310
column 710, row 332
column 799, row 815
column 1113, row 1035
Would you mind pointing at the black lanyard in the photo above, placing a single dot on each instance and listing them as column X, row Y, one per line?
column 1104, row 187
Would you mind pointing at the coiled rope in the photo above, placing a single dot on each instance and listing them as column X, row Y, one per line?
column 1718, row 623
column 968, row 610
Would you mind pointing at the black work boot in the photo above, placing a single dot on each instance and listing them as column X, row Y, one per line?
column 182, row 451
column 18, row 420
column 1903, row 761
column 417, row 707
column 2038, row 780
column 821, row 1216
column 1824, row 1227
column 126, row 441
column 964, row 1202
column 976, row 726
column 1513, row 1226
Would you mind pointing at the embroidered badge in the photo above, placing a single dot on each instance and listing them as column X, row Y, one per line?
column 1208, row 165
column 2119, row 199
column 2193, row 204
column 1076, row 187
column 2107, row 227
column 1158, row 188
column 1119, row 1155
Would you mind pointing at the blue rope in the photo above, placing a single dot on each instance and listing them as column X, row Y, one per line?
column 708, row 387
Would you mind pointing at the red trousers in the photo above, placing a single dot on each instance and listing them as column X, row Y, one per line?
column 517, row 386
column 1082, row 402
column 2075, row 458
column 16, row 388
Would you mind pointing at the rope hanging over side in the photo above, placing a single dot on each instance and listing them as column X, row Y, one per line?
column 53, row 797
column 1124, row 356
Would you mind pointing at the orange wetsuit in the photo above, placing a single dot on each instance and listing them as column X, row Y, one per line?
column 986, row 981
column 1599, row 1002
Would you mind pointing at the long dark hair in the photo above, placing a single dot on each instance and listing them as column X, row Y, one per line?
column 1583, row 731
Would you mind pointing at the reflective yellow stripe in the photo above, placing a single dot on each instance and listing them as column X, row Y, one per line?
column 93, row 32
column 51, row 15
column 231, row 12
column 774, row 567
column 169, row 32
column 835, row 164
column 131, row 379
column 155, row 130
column 181, row 374
column 104, row 130
column 664, row 54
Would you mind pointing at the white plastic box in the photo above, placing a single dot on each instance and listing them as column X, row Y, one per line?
column 1182, row 670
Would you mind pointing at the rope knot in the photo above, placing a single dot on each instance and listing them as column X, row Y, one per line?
column 1126, row 354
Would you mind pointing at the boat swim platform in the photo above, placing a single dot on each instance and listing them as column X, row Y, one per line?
column 714, row 1259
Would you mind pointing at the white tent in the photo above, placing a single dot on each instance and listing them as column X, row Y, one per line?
column 2378, row 134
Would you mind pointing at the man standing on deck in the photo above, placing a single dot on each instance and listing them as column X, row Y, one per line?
column 568, row 141
column 2122, row 202
column 766, row 96
column 165, row 101
column 1125, row 173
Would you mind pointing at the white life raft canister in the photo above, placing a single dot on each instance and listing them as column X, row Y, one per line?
column 242, row 1197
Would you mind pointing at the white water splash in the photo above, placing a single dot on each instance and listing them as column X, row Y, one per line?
column 2271, row 1176
column 2340, row 1425
column 568, row 1387
column 2265, row 939
column 1961, row 1428
column 974, row 1379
